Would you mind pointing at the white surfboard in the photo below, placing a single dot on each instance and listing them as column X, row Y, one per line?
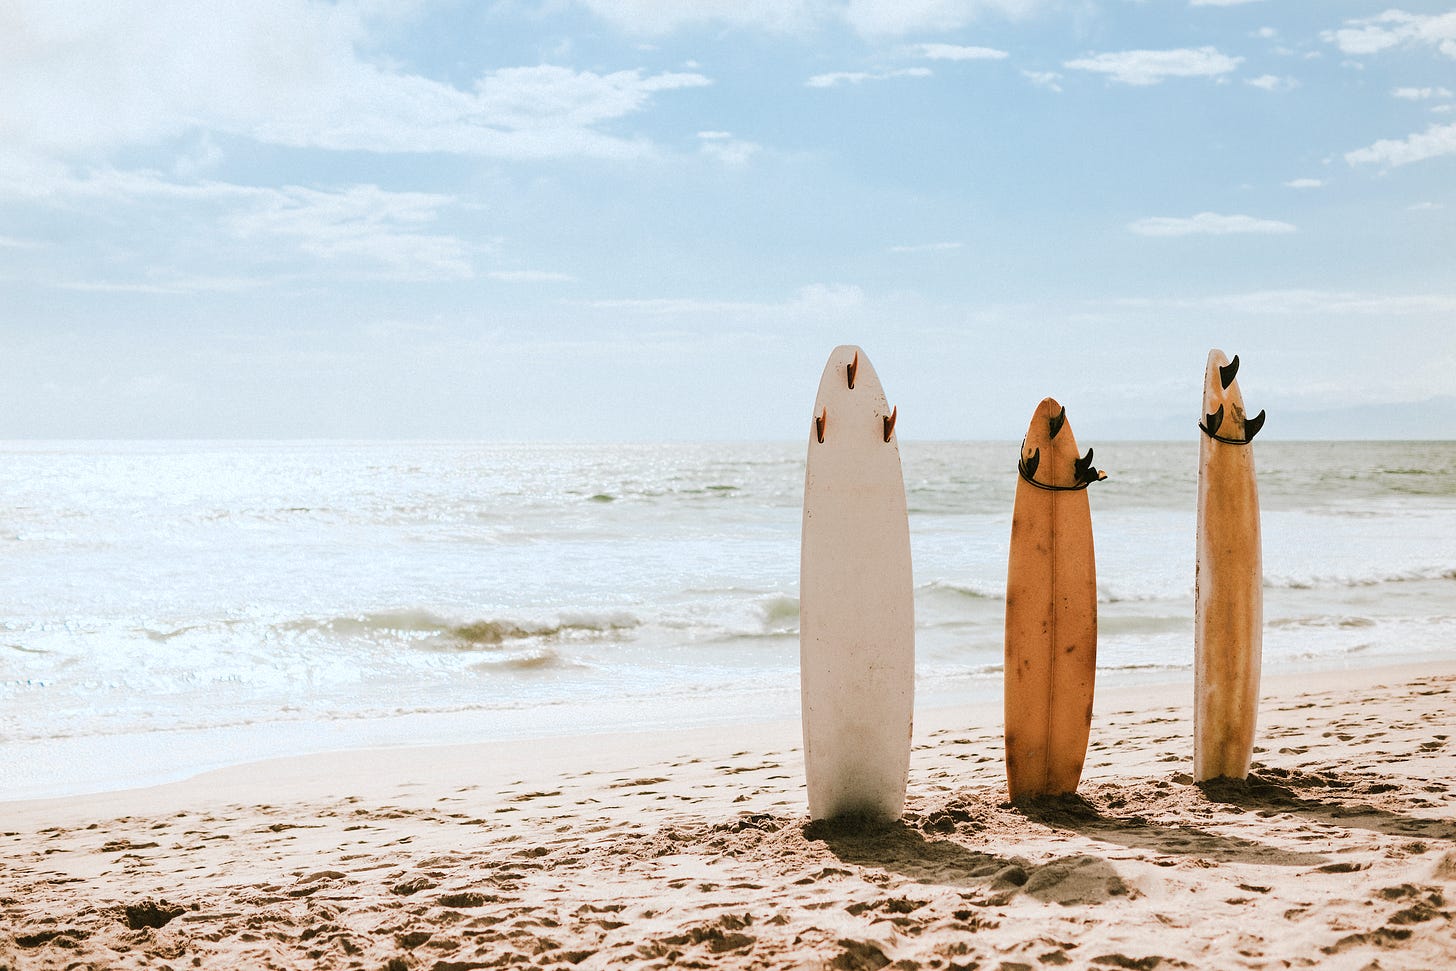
column 1229, row 598
column 856, row 614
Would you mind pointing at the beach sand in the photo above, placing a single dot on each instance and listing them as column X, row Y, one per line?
column 694, row 850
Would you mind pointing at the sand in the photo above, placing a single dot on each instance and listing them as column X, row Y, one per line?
column 694, row 850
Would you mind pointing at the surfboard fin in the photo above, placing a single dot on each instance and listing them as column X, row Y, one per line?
column 1084, row 472
column 1226, row 372
column 1211, row 422
column 1029, row 464
column 1057, row 421
column 1252, row 425
column 853, row 367
column 819, row 421
column 890, row 421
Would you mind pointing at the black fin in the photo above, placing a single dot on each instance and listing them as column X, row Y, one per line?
column 1227, row 372
column 890, row 421
column 1028, row 465
column 1084, row 472
column 1252, row 425
column 819, row 424
column 853, row 367
column 1058, row 420
column 1211, row 422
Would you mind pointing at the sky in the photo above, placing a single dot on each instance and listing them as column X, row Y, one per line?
column 644, row 220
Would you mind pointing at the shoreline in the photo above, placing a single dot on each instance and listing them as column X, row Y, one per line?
column 362, row 770
column 250, row 745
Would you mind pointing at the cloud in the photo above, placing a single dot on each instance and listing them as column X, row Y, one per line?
column 655, row 18
column 721, row 145
column 1435, row 141
column 958, row 52
column 286, row 72
column 1272, row 82
column 1420, row 94
column 1304, row 183
column 1396, row 28
column 836, row 78
column 1207, row 223
column 266, row 235
column 1219, row 3
column 1044, row 79
column 870, row 18
column 900, row 17
column 1144, row 67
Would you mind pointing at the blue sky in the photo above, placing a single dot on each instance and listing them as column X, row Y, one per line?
column 642, row 220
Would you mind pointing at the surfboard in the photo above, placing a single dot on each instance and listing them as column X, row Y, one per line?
column 1051, row 611
column 1229, row 600
column 856, row 600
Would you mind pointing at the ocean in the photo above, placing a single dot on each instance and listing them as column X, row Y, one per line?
column 169, row 607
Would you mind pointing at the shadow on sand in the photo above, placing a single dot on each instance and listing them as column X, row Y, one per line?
column 1324, row 797
column 901, row 848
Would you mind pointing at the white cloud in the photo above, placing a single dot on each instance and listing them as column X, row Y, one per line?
column 722, row 146
column 271, row 234
column 1425, row 206
column 1396, row 28
column 1304, row 183
column 1272, row 82
column 1420, row 94
column 1044, row 79
column 656, row 18
column 1207, row 223
column 871, row 18
column 836, row 78
column 1435, row 141
column 900, row 17
column 287, row 72
column 1144, row 67
column 958, row 52
column 1219, row 3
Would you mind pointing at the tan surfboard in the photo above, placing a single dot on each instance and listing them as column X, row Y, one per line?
column 856, row 600
column 1051, row 611
column 1228, row 623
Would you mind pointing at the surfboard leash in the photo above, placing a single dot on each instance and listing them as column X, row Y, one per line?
column 1082, row 471
column 1210, row 425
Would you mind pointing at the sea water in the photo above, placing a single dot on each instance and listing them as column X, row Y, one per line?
column 170, row 607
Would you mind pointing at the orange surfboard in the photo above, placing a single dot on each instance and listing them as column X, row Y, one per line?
column 1051, row 611
column 1229, row 599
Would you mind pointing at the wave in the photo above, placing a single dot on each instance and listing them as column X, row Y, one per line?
column 780, row 614
column 1322, row 620
column 543, row 659
column 446, row 634
column 970, row 590
column 1316, row 582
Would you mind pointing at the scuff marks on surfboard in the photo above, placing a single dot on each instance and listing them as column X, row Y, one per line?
column 856, row 617
column 1228, row 602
